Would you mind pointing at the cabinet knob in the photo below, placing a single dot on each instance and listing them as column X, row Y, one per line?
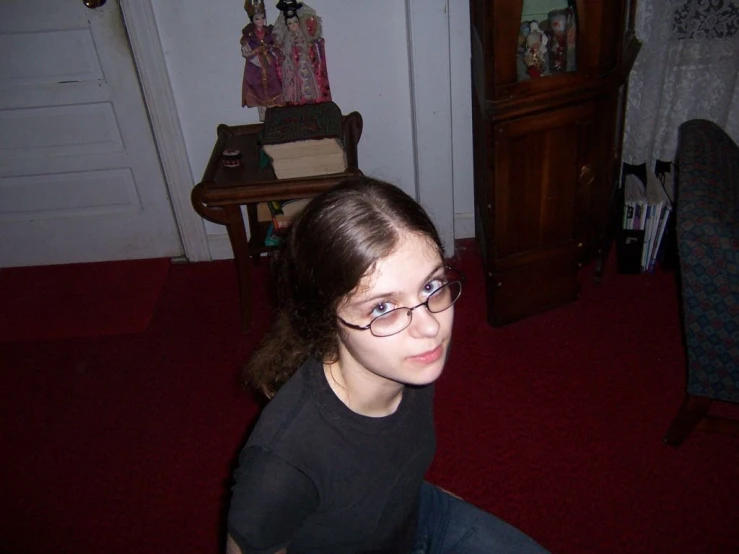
column 587, row 175
column 93, row 4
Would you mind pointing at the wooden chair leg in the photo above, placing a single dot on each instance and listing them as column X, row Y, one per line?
column 691, row 413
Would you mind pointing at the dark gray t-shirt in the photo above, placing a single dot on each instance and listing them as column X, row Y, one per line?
column 319, row 478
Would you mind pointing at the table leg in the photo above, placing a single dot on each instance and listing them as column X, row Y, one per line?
column 240, row 247
column 251, row 215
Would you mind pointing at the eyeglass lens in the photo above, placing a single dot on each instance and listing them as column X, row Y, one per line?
column 397, row 320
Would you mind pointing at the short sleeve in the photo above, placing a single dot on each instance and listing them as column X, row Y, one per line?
column 270, row 501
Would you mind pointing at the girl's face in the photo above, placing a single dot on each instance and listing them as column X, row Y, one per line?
column 293, row 24
column 258, row 20
column 416, row 355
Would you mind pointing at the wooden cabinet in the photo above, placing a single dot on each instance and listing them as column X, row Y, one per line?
column 547, row 149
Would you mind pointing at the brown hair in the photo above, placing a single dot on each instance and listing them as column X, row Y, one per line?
column 335, row 242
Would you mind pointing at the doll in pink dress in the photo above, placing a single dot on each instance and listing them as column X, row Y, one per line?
column 298, row 34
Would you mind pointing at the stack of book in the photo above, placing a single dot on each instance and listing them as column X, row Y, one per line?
column 646, row 212
column 304, row 140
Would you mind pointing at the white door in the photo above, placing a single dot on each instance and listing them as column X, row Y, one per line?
column 80, row 178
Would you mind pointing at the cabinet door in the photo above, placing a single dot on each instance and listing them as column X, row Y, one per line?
column 543, row 177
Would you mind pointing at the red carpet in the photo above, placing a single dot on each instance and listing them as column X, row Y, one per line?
column 79, row 300
column 125, row 443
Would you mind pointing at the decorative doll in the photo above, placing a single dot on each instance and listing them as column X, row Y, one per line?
column 521, row 68
column 535, row 53
column 261, row 84
column 523, row 32
column 298, row 34
column 571, row 40
column 558, row 41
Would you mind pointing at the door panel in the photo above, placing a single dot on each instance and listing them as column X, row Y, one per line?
column 77, row 130
column 539, row 166
column 80, row 178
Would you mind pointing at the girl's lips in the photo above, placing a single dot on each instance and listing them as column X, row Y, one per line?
column 428, row 357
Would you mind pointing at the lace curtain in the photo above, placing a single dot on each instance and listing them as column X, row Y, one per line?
column 688, row 68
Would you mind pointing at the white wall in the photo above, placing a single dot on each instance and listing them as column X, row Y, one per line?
column 368, row 65
column 461, row 94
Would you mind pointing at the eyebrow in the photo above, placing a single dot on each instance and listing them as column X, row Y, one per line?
column 381, row 295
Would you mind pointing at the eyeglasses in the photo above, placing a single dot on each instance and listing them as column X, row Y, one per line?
column 396, row 320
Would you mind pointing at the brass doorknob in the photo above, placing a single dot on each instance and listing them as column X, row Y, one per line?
column 92, row 4
column 587, row 175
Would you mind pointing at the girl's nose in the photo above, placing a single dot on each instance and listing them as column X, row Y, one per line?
column 424, row 323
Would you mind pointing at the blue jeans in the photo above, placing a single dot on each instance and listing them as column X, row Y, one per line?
column 448, row 525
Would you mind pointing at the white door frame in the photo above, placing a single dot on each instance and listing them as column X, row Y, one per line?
column 148, row 56
column 431, row 111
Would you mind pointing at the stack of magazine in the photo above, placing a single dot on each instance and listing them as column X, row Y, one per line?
column 647, row 209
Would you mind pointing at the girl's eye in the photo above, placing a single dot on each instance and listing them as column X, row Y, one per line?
column 432, row 286
column 382, row 308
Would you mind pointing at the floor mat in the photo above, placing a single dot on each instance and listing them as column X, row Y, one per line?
column 80, row 300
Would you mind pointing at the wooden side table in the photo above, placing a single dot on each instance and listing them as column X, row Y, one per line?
column 223, row 190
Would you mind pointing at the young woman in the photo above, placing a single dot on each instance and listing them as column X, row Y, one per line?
column 363, row 328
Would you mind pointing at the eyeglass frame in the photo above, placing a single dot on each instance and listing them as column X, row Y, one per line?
column 368, row 327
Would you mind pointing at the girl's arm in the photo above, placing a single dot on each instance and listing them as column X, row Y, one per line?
column 271, row 500
column 232, row 547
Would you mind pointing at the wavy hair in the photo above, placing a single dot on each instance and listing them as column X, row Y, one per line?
column 332, row 245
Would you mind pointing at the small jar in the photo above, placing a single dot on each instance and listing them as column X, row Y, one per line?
column 231, row 158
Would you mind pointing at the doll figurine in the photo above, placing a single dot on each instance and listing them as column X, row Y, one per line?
column 558, row 41
column 261, row 83
column 523, row 32
column 571, row 40
column 535, row 53
column 298, row 34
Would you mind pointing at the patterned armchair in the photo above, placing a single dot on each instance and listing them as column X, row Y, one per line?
column 708, row 246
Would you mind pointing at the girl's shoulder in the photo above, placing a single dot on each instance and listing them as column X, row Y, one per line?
column 292, row 408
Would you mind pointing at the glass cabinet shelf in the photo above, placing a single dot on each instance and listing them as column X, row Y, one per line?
column 547, row 39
